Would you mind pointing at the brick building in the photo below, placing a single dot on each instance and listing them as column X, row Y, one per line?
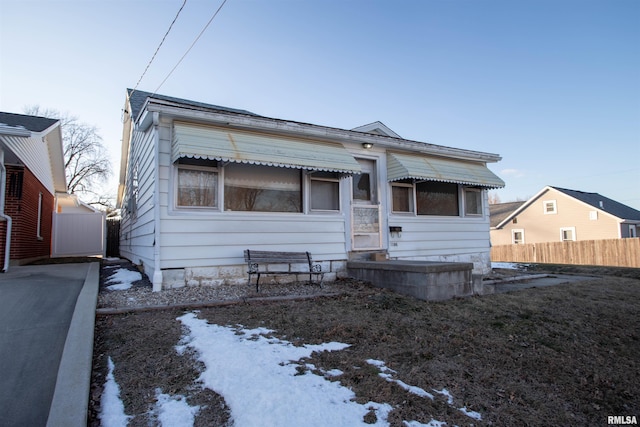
column 31, row 174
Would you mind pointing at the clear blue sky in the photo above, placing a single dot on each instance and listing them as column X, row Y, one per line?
column 553, row 86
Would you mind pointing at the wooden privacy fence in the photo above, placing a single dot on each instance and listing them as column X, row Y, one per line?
column 610, row 252
column 113, row 237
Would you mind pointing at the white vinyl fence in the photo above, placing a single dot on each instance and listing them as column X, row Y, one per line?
column 78, row 234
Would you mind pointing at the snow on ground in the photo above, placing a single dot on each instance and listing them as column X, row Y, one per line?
column 111, row 407
column 123, row 279
column 265, row 381
column 509, row 265
column 174, row 411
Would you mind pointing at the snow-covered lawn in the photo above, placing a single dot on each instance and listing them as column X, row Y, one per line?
column 264, row 381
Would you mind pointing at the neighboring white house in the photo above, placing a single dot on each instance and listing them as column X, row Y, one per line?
column 201, row 183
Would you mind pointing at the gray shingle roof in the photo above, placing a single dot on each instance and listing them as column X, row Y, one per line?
column 137, row 99
column 610, row 206
column 500, row 211
column 32, row 123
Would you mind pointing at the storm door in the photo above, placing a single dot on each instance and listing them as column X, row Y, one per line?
column 365, row 208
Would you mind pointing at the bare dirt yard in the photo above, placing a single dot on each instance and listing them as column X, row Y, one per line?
column 566, row 355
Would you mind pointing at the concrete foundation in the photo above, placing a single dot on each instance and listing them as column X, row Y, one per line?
column 431, row 281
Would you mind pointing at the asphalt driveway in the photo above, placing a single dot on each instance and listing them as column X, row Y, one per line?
column 38, row 308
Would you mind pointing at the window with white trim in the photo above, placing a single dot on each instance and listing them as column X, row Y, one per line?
column 402, row 196
column 550, row 207
column 517, row 236
column 472, row 201
column 437, row 198
column 197, row 183
column 324, row 191
column 39, row 225
column 262, row 188
column 568, row 234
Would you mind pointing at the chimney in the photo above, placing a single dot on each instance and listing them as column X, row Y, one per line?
column 601, row 204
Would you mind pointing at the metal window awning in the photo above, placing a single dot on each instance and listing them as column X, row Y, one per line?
column 205, row 142
column 420, row 167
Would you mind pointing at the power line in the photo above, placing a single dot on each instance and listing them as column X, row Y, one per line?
column 192, row 44
column 159, row 46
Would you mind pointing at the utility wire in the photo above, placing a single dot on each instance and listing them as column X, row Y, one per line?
column 192, row 44
column 159, row 46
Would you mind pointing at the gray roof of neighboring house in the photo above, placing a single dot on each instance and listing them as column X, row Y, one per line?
column 32, row 123
column 610, row 206
column 137, row 99
column 500, row 211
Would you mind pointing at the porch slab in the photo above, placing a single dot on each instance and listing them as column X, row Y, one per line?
column 426, row 280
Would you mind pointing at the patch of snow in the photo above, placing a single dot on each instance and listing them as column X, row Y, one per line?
column 259, row 381
column 111, row 407
column 387, row 376
column 509, row 265
column 174, row 411
column 471, row 414
column 445, row 393
column 333, row 372
column 123, row 279
column 432, row 423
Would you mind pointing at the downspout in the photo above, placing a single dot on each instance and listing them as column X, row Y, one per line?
column 157, row 272
column 3, row 182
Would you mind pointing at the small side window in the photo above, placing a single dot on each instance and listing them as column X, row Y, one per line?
column 472, row 201
column 325, row 191
column 568, row 234
column 550, row 207
column 197, row 184
column 517, row 237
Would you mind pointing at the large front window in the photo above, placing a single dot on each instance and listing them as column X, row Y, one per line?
column 262, row 188
column 437, row 198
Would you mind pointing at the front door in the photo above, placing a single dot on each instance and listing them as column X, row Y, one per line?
column 365, row 208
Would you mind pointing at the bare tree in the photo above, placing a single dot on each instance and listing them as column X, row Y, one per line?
column 86, row 161
column 494, row 199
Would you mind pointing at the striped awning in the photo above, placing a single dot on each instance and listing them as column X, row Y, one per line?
column 206, row 142
column 424, row 168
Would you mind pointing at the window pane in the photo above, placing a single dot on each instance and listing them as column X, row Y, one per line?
column 262, row 188
column 325, row 195
column 518, row 237
column 401, row 199
column 437, row 198
column 197, row 188
column 472, row 202
column 362, row 187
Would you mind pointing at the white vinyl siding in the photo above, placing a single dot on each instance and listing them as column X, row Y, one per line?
column 137, row 228
column 221, row 239
column 35, row 155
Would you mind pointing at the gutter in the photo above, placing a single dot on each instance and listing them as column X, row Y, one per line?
column 3, row 182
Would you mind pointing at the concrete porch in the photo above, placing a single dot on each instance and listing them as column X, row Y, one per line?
column 426, row 280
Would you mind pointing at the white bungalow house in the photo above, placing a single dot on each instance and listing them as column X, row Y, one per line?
column 201, row 183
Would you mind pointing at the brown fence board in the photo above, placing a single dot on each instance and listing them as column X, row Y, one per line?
column 609, row 252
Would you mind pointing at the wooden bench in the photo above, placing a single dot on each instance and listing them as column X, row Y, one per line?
column 257, row 262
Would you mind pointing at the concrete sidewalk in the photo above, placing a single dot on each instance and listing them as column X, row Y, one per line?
column 47, row 318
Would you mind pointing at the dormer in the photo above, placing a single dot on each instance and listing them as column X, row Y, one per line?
column 377, row 128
